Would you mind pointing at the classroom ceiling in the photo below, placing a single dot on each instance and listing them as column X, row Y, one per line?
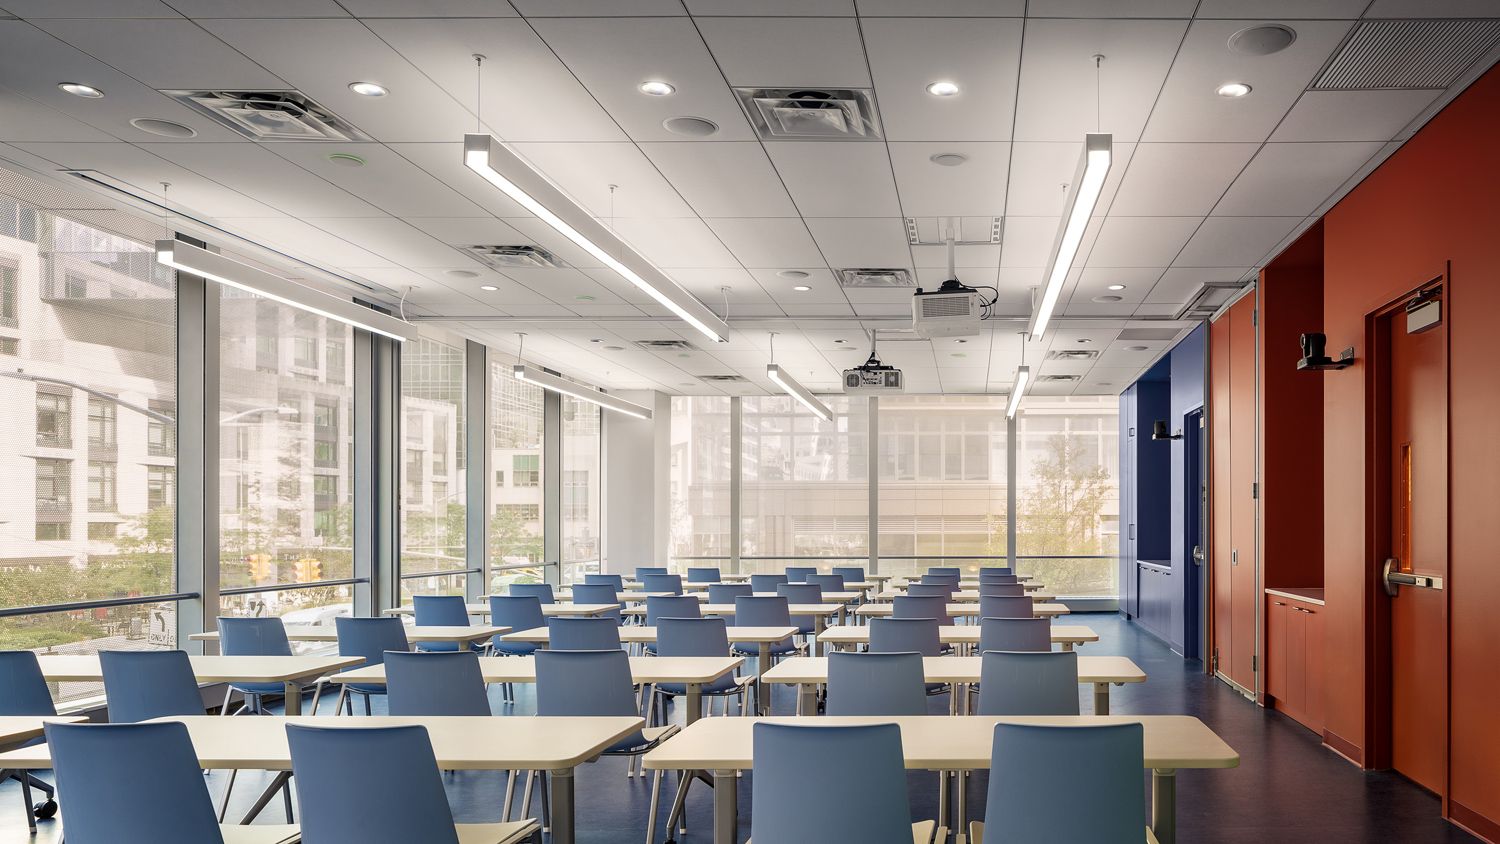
column 1204, row 188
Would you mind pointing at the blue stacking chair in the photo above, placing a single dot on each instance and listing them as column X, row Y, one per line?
column 726, row 593
column 541, row 591
column 672, row 606
column 598, row 593
column 767, row 582
column 577, row 633
column 1015, row 634
column 946, row 579
column 953, row 571
column 138, row 784
column 799, row 574
column 699, row 637
column 435, row 683
column 763, row 611
column 252, row 637
column 1028, row 683
column 380, row 785
column 440, row 611
column 827, row 582
column 23, row 691
column 998, row 578
column 615, row 580
column 642, row 571
column 668, row 583
column 802, row 593
column 141, row 685
column 704, row 574
column 851, row 574
column 1034, row 768
column 994, row 606
column 913, row 606
column 914, row 635
column 369, row 638
column 996, row 571
column 876, row 683
column 866, row 802
column 927, row 590
column 1001, row 590
column 518, row 613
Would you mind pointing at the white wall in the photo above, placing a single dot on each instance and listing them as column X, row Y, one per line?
column 637, row 460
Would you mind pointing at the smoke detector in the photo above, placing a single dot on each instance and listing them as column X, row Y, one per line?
column 887, row 277
column 514, row 257
column 270, row 115
column 818, row 114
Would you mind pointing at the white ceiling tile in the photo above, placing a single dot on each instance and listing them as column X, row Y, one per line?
column 941, row 8
column 255, row 171
column 260, row 9
column 428, row 9
column 1282, row 9
column 723, row 179
column 598, row 8
column 769, row 242
column 300, row 238
column 825, row 288
column 975, row 188
column 1430, row 9
column 1039, row 173
column 1287, row 179
column 1095, row 281
column 1028, row 241
column 388, row 181
column 861, row 242
column 681, row 242
column 967, row 257
column 392, row 239
column 1058, row 100
column 90, row 9
column 980, row 55
column 786, row 8
column 788, row 52
column 145, row 173
column 164, row 53
column 1178, row 283
column 1352, row 115
column 585, row 172
column 470, row 231
column 445, row 162
column 1190, row 108
column 1140, row 241
column 1235, row 241
column 24, row 120
column 834, row 179
column 1178, row 179
column 1110, row 9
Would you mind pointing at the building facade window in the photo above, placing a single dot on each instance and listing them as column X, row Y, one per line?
column 101, row 423
column 102, row 531
column 54, row 420
column 10, row 297
column 582, row 487
column 54, row 486
column 101, row 487
column 161, row 487
column 434, row 518
column 516, row 447
column 528, row 469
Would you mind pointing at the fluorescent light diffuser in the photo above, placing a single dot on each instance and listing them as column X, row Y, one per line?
column 799, row 392
column 533, row 191
column 1023, row 377
column 1083, row 195
column 215, row 267
column 548, row 381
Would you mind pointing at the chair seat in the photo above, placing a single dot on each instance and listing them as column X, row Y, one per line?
column 495, row 833
column 260, row 834
column 976, row 834
column 719, row 688
column 922, row 832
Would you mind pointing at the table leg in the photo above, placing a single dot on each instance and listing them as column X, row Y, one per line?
column 1164, row 805
column 694, row 702
column 1101, row 698
column 762, row 690
column 562, row 805
column 961, row 818
column 807, row 699
column 726, row 808
column 819, row 623
column 1067, row 646
column 278, row 782
column 293, row 697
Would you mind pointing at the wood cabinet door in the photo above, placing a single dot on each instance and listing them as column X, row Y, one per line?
column 1296, row 662
column 1276, row 613
column 1313, row 618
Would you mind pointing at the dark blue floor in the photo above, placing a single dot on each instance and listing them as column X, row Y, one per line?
column 1288, row 789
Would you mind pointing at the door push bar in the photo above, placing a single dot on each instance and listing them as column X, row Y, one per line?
column 1394, row 579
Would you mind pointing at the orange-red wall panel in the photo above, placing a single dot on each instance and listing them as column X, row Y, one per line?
column 1245, row 592
column 1220, row 425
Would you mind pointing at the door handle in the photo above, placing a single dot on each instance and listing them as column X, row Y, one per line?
column 1198, row 555
column 1394, row 579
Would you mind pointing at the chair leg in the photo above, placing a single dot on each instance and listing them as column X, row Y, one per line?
column 526, row 795
column 655, row 801
column 510, row 793
column 228, row 787
column 338, row 705
column 224, row 707
column 546, row 818
column 26, row 801
column 367, row 704
column 286, row 796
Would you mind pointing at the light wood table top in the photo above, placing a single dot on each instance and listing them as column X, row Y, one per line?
column 968, row 595
column 547, row 609
column 870, row 579
column 84, row 668
column 415, row 634
column 636, row 634
column 522, row 669
column 953, row 634
column 728, row 609
column 1039, row 609
column 19, row 729
column 965, row 670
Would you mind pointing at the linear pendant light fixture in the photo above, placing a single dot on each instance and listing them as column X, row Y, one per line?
column 556, row 384
column 215, row 267
column 492, row 159
column 799, row 392
column 1023, row 378
column 1083, row 195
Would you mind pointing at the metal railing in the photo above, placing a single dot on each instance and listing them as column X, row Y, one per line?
column 101, row 603
column 281, row 587
column 1088, row 580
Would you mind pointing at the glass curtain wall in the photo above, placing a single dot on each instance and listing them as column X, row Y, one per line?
column 582, row 486
column 516, row 455
column 700, row 519
column 433, row 500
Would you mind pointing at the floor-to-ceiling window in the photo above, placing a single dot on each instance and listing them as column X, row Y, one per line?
column 582, row 485
column 516, row 454
column 433, row 501
column 700, row 466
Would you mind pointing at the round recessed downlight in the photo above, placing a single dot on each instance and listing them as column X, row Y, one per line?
column 657, row 88
column 943, row 88
column 1116, row 287
column 1233, row 90
column 960, row 341
column 801, row 288
column 462, row 274
column 1106, row 299
column 959, row 354
column 692, row 127
column 1085, row 340
column 164, row 128
column 1262, row 40
column 346, row 159
column 792, row 274
column 614, row 348
column 841, row 342
column 1137, row 348
column 78, row 89
column 948, row 159
column 488, row 288
column 369, row 89
column 584, row 297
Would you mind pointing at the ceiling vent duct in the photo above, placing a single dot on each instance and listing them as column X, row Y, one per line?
column 270, row 115
column 876, row 277
column 513, row 257
column 1059, row 379
column 1429, row 54
column 1072, row 354
column 666, row 345
column 723, row 379
column 811, row 114
column 1205, row 301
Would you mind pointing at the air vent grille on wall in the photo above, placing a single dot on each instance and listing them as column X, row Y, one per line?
column 271, row 115
column 663, row 345
column 723, row 379
column 841, row 114
column 876, row 277
column 508, row 257
column 1072, row 354
column 1423, row 54
column 1054, row 379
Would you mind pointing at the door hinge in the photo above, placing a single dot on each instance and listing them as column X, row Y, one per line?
column 1254, row 663
column 1255, row 490
column 1216, row 658
column 1255, row 316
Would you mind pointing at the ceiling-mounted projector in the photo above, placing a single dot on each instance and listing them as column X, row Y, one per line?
column 872, row 376
column 952, row 310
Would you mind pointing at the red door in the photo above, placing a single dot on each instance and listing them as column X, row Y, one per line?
column 1245, row 593
column 1418, row 467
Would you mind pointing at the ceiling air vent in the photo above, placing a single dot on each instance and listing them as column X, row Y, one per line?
column 512, row 257
column 665, row 345
column 801, row 114
column 1058, row 379
column 723, row 379
column 270, row 115
column 876, row 277
column 1412, row 54
column 1072, row 354
column 1204, row 303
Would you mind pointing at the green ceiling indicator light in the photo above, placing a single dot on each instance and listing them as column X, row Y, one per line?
column 346, row 159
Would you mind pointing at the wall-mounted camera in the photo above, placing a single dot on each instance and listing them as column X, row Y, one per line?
column 1159, row 431
column 1315, row 357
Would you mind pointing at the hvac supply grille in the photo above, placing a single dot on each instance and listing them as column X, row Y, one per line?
column 1407, row 54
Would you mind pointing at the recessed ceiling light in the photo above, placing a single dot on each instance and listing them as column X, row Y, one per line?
column 346, row 159
column 1233, row 89
column 1136, row 348
column 164, row 128
column 840, row 341
column 595, row 340
column 801, row 288
column 462, row 273
column 657, row 88
column 584, row 297
column 960, row 340
column 960, row 354
column 1116, row 287
column 488, row 288
column 614, row 348
column 692, row 127
column 792, row 274
column 1262, row 40
column 943, row 88
column 78, row 89
column 948, row 159
column 1106, row 299
column 368, row 89
column 1085, row 340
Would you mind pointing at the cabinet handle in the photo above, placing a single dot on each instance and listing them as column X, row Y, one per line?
column 1279, row 603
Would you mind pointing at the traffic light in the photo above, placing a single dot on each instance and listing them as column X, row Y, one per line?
column 261, row 567
column 309, row 570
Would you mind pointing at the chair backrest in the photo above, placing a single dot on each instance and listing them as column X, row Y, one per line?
column 23, row 689
column 850, row 574
column 996, row 571
column 1001, row 590
column 876, row 683
column 766, row 582
column 615, row 580
column 141, row 685
column 254, row 637
column 541, row 591
column 580, row 633
column 439, row 610
column 372, row 637
column 995, row 606
column 897, row 635
column 866, row 802
column 584, row 683
column 703, row 574
column 435, row 683
column 800, row 593
column 913, row 606
column 943, row 579
column 692, row 637
column 999, row 578
column 828, row 582
column 517, row 612
column 762, row 611
column 123, row 782
column 725, row 593
column 1015, row 634
column 952, row 570
column 671, row 606
column 1034, row 769
column 1012, row 683
column 799, row 574
column 373, row 784
column 598, row 593
column 925, row 590
column 670, row 583
column 642, row 571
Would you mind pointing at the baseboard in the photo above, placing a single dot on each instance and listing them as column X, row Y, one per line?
column 1473, row 822
column 1345, row 748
